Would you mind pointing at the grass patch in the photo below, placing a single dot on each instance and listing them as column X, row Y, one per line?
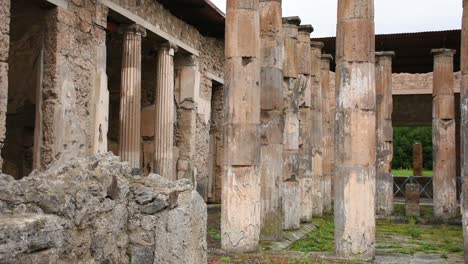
column 214, row 234
column 407, row 172
column 225, row 260
column 321, row 240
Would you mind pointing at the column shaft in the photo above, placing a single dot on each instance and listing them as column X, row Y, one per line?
column 418, row 160
column 443, row 139
column 164, row 113
column 383, row 76
column 328, row 112
column 318, row 151
column 272, row 119
column 306, row 143
column 464, row 123
column 355, row 133
column 130, row 96
column 240, row 218
column 290, row 189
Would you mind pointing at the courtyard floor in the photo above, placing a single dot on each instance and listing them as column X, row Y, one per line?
column 399, row 240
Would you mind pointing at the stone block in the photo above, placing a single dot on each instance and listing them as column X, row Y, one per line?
column 305, row 86
column 4, row 46
column 272, row 52
column 361, row 9
column 271, row 21
column 444, row 107
column 291, row 194
column 291, row 131
column 242, row 144
column 290, row 67
column 412, row 196
column 243, row 4
column 243, row 38
column 242, row 90
column 356, row 85
column 291, row 165
column 303, row 57
column 359, row 45
column 384, row 194
column 306, row 201
column 305, row 163
column 272, row 127
column 272, row 94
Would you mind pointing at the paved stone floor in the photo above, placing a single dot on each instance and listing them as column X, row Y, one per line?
column 399, row 241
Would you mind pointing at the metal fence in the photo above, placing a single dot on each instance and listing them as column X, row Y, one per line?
column 425, row 184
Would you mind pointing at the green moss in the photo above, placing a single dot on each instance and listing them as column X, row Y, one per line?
column 214, row 234
column 321, row 240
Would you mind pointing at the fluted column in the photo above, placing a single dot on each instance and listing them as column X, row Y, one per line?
column 443, row 135
column 318, row 143
column 290, row 190
column 306, row 144
column 130, row 96
column 355, row 131
column 384, row 183
column 240, row 217
column 464, row 123
column 328, row 116
column 272, row 119
column 164, row 113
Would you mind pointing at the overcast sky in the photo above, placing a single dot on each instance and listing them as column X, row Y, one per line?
column 391, row 16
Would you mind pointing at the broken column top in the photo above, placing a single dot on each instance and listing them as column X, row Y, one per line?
column 327, row 57
column 444, row 52
column 306, row 29
column 292, row 20
column 385, row 54
column 317, row 44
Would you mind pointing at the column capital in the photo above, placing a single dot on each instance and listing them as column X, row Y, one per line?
column 133, row 28
column 169, row 46
column 327, row 57
column 317, row 45
column 292, row 20
column 443, row 52
column 390, row 54
column 306, row 29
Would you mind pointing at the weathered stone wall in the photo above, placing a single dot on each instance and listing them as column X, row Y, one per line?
column 418, row 82
column 4, row 47
column 97, row 210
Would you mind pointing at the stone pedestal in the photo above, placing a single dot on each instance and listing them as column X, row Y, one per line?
column 412, row 203
column 290, row 185
column 272, row 119
column 464, row 124
column 320, row 182
column 164, row 113
column 241, row 206
column 328, row 116
column 306, row 132
column 443, row 129
column 418, row 161
column 384, row 183
column 355, row 133
column 130, row 96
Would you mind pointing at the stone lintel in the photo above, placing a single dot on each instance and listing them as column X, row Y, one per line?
column 318, row 45
column 385, row 54
column 445, row 52
column 59, row 3
column 306, row 28
column 292, row 20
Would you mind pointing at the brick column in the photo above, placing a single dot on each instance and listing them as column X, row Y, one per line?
column 164, row 113
column 290, row 190
column 384, row 183
column 418, row 160
column 240, row 218
column 464, row 123
column 328, row 110
column 355, row 133
column 305, row 122
column 443, row 135
column 318, row 132
column 130, row 96
column 272, row 118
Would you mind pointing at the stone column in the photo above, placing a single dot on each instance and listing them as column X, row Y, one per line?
column 328, row 110
column 130, row 96
column 464, row 123
column 164, row 113
column 355, row 133
column 443, row 135
column 5, row 44
column 272, row 118
column 240, row 218
column 383, row 79
column 412, row 199
column 318, row 131
column 290, row 190
column 418, row 160
column 305, row 122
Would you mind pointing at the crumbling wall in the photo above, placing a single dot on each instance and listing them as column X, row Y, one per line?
column 97, row 210
column 4, row 48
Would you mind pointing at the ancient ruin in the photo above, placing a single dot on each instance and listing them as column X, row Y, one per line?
column 169, row 131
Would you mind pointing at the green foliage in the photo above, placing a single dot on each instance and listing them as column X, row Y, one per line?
column 225, row 260
column 404, row 138
column 321, row 240
column 214, row 234
column 409, row 172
